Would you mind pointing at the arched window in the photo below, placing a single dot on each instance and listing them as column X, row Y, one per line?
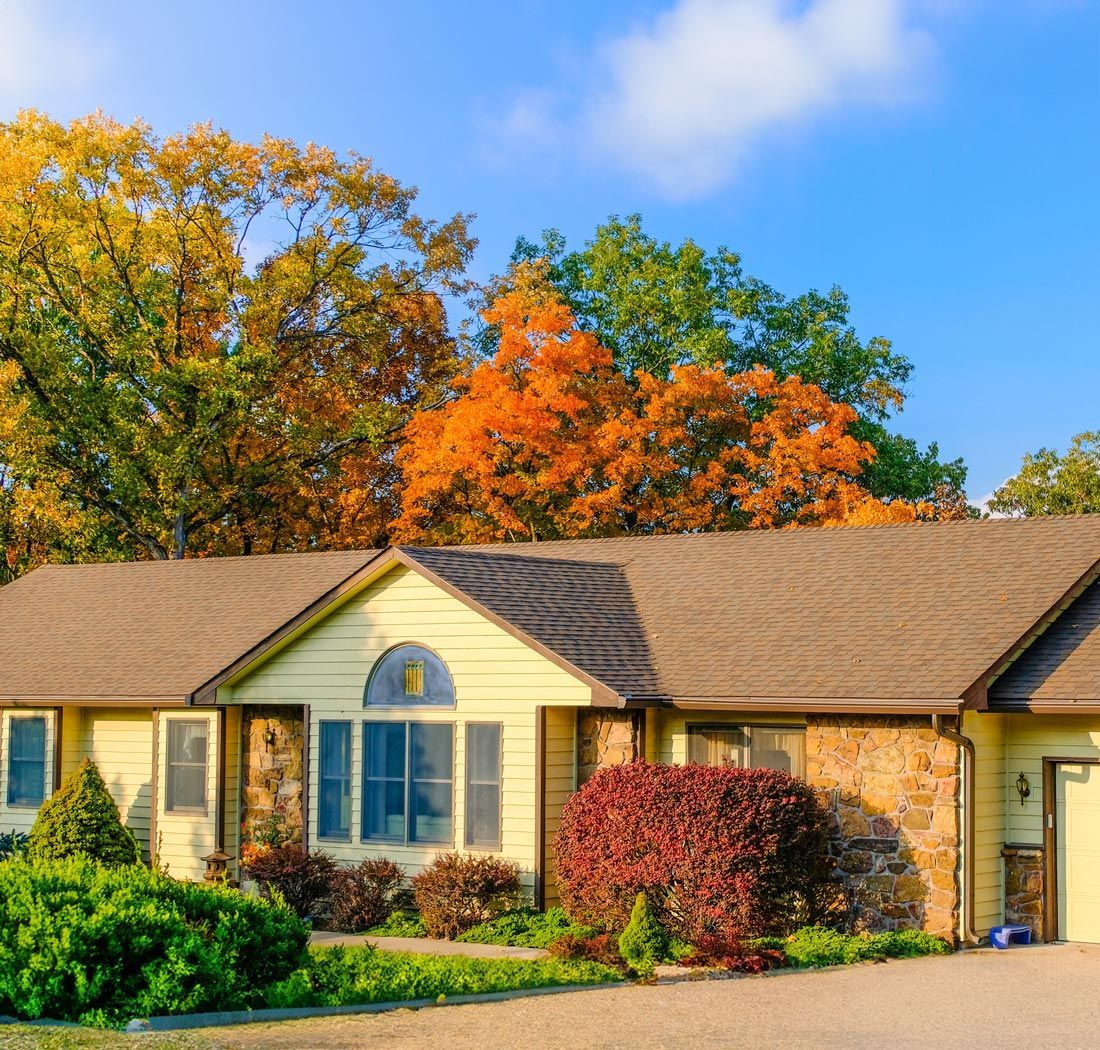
column 410, row 676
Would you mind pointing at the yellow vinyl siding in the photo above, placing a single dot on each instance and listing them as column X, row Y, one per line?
column 232, row 837
column 988, row 731
column 120, row 743
column 1030, row 739
column 561, row 782
column 72, row 739
column 21, row 818
column 497, row 678
column 184, row 838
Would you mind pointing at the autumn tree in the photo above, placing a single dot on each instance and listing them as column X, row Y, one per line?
column 548, row 439
column 212, row 341
column 656, row 306
column 1050, row 482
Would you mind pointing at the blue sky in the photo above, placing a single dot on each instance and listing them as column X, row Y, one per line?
column 939, row 159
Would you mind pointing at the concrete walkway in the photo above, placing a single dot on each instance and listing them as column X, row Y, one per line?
column 426, row 946
column 1031, row 997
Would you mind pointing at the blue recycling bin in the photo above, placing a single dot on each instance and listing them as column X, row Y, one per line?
column 1003, row 936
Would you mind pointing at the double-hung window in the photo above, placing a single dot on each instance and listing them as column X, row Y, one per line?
column 26, row 760
column 408, row 782
column 334, row 812
column 185, row 788
column 483, row 785
column 748, row 747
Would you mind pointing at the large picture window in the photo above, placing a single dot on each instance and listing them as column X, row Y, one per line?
column 483, row 785
column 408, row 782
column 748, row 747
column 334, row 811
column 185, row 788
column 26, row 761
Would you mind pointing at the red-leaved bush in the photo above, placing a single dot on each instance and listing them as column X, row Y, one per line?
column 732, row 853
column 458, row 891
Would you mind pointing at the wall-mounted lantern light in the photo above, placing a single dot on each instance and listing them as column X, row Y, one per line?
column 1023, row 787
column 269, row 736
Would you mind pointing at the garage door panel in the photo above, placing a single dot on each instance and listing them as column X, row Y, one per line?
column 1078, row 851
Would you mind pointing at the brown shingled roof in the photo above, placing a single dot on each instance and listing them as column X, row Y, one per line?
column 886, row 613
column 150, row 630
column 904, row 617
column 1061, row 668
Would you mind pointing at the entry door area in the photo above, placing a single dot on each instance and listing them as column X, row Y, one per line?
column 1077, row 829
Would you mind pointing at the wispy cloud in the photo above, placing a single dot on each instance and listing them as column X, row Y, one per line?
column 683, row 100
column 40, row 58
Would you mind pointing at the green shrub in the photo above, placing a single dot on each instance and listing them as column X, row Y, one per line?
column 818, row 946
column 12, row 844
column 643, row 943
column 81, row 941
column 525, row 928
column 400, row 924
column 350, row 976
column 82, row 819
column 457, row 892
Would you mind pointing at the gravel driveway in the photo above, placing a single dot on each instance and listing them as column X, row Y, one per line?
column 1042, row 996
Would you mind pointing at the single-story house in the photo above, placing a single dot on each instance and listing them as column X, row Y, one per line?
column 939, row 683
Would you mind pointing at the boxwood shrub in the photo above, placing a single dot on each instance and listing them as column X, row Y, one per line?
column 723, row 852
column 80, row 941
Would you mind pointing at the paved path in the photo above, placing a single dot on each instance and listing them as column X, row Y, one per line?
column 427, row 946
column 1035, row 997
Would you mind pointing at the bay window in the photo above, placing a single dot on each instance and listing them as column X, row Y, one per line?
column 408, row 782
column 334, row 810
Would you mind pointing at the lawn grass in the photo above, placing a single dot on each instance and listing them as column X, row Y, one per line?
column 352, row 976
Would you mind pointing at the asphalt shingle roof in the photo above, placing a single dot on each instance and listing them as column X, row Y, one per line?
column 899, row 613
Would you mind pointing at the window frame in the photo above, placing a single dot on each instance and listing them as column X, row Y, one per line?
column 407, row 782
column 498, row 845
column 322, row 724
column 11, row 760
column 171, row 809
column 745, row 729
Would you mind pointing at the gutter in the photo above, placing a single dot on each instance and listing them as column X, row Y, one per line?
column 966, row 921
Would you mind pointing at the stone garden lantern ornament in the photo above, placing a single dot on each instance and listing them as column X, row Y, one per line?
column 217, row 866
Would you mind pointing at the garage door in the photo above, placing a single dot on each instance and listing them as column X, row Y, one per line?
column 1078, row 837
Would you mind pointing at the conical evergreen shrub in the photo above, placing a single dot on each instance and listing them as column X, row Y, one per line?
column 82, row 819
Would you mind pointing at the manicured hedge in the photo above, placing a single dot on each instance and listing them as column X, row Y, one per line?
column 84, row 942
column 734, row 853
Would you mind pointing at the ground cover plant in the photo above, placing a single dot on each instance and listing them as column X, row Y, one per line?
column 98, row 944
column 735, row 853
column 349, row 976
column 820, row 946
column 526, row 928
column 400, row 924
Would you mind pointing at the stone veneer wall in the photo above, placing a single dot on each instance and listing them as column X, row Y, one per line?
column 272, row 773
column 606, row 738
column 892, row 786
column 1024, row 874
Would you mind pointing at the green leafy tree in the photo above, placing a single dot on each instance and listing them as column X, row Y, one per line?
column 656, row 306
column 1050, row 482
column 82, row 819
column 213, row 342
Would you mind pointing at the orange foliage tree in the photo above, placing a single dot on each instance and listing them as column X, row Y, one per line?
column 547, row 440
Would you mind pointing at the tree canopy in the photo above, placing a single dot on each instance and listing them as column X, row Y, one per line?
column 206, row 342
column 1050, row 482
column 656, row 306
column 547, row 440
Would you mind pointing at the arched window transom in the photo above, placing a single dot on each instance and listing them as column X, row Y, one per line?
column 410, row 676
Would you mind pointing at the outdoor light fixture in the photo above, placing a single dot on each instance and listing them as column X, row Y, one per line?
column 269, row 737
column 1023, row 787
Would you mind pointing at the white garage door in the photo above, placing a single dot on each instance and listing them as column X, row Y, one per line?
column 1077, row 794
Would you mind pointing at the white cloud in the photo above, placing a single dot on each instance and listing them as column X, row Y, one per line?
column 39, row 56
column 682, row 101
